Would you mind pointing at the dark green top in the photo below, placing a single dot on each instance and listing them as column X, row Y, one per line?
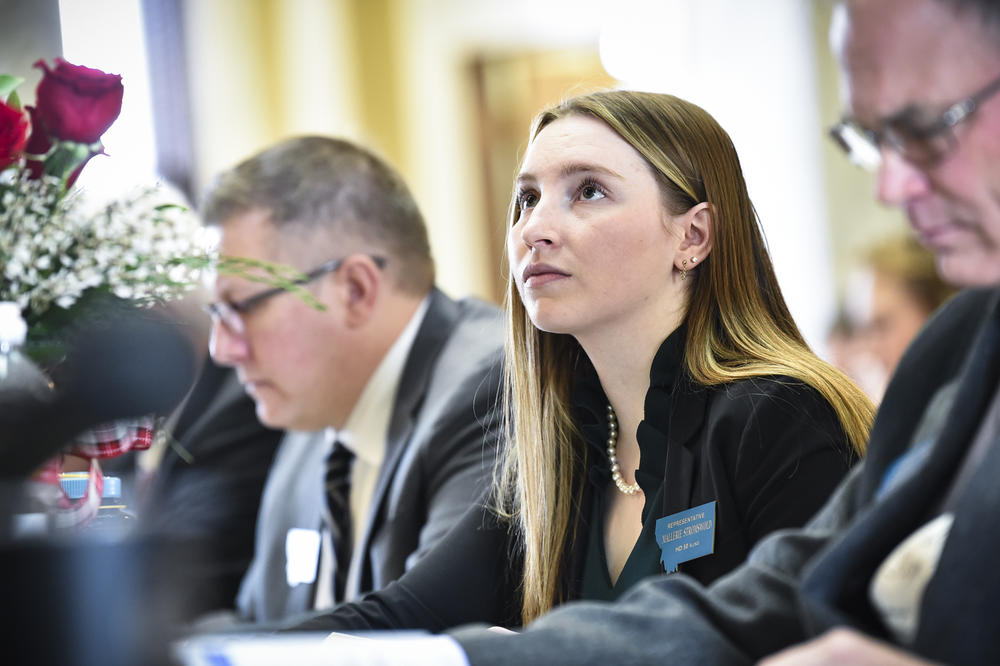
column 644, row 560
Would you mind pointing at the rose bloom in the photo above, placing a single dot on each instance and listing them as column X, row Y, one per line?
column 13, row 134
column 76, row 103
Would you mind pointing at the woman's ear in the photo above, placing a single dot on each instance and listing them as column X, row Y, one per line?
column 697, row 225
column 360, row 281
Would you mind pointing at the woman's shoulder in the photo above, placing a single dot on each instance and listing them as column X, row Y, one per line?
column 776, row 425
column 773, row 402
column 766, row 389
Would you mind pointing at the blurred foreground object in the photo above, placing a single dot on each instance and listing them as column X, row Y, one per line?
column 138, row 364
column 91, row 599
column 88, row 597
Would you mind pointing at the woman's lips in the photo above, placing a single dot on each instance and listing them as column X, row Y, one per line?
column 543, row 279
column 536, row 275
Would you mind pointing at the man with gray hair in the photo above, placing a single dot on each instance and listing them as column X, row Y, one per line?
column 388, row 388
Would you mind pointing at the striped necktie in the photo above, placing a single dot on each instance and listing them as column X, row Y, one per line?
column 338, row 493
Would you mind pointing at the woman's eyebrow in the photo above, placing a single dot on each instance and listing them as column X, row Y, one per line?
column 571, row 169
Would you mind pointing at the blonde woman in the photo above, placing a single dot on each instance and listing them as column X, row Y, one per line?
column 664, row 413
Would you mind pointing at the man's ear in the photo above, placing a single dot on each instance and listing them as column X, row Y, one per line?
column 360, row 282
column 698, row 227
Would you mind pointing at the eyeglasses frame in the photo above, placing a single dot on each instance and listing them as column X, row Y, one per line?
column 218, row 310
column 884, row 134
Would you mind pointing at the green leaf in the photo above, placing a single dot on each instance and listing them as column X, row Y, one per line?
column 269, row 273
column 8, row 84
column 65, row 157
column 179, row 449
column 169, row 206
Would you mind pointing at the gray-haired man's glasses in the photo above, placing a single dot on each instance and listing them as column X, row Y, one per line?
column 921, row 143
column 230, row 313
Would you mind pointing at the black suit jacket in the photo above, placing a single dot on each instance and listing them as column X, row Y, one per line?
column 799, row 583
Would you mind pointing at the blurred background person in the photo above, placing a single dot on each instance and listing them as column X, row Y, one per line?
column 905, row 289
column 890, row 295
column 388, row 387
column 846, row 349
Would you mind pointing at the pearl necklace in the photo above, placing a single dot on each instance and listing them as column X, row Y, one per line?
column 616, row 474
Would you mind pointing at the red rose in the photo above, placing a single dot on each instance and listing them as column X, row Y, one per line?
column 75, row 103
column 13, row 134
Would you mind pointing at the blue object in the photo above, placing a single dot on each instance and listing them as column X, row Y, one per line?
column 904, row 467
column 686, row 535
column 76, row 486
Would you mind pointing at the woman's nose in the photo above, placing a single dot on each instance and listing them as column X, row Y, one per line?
column 538, row 226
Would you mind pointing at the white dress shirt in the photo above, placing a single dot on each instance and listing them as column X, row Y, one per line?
column 365, row 435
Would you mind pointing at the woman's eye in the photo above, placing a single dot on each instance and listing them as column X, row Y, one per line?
column 591, row 192
column 526, row 200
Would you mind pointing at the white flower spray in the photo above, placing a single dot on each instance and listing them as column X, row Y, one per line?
column 55, row 246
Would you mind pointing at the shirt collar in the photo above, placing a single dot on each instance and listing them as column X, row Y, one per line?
column 365, row 431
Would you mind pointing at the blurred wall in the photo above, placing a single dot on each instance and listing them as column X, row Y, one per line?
column 29, row 30
column 260, row 70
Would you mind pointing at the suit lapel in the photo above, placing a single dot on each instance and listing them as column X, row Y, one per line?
column 687, row 416
column 439, row 320
column 835, row 587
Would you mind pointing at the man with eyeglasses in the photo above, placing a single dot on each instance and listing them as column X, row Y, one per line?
column 900, row 566
column 387, row 387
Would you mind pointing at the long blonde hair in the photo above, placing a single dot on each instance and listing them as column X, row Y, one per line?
column 738, row 327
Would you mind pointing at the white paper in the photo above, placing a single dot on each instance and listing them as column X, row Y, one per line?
column 301, row 555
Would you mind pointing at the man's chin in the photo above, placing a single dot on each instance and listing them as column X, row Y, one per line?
column 270, row 417
column 962, row 271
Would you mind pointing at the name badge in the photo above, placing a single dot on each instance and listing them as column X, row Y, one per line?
column 686, row 535
column 301, row 555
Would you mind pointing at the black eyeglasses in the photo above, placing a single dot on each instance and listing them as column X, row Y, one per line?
column 231, row 313
column 922, row 144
